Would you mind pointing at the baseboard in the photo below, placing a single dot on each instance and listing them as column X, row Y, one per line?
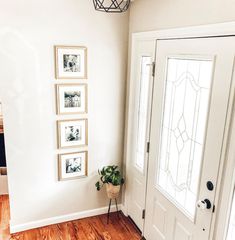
column 60, row 219
column 124, row 210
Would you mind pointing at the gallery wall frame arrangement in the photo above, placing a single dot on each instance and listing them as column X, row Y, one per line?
column 72, row 133
column 70, row 62
column 72, row 165
column 71, row 99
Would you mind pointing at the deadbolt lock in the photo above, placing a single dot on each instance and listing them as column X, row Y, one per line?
column 210, row 186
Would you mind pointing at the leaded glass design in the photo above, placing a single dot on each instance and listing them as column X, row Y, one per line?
column 186, row 101
column 231, row 229
column 143, row 111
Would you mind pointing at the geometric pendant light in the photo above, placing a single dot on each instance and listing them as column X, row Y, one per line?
column 112, row 6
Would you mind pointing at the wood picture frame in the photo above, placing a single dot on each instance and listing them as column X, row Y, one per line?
column 72, row 165
column 72, row 133
column 71, row 99
column 70, row 62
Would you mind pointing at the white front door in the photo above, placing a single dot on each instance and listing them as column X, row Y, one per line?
column 191, row 93
column 139, row 109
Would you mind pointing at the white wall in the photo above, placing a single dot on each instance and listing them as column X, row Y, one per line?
column 160, row 14
column 28, row 31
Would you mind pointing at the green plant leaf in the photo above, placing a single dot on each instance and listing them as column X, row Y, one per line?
column 98, row 187
column 109, row 174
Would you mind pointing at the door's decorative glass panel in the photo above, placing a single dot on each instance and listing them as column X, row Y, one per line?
column 231, row 229
column 143, row 111
column 187, row 93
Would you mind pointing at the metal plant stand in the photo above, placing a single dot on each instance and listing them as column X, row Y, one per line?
column 110, row 202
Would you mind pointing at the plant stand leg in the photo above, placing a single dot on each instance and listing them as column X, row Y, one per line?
column 110, row 201
column 117, row 207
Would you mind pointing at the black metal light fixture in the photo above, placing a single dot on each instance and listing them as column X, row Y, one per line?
column 112, row 6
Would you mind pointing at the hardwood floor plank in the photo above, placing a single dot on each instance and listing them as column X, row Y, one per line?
column 93, row 228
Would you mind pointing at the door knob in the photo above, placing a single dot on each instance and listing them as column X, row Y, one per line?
column 204, row 204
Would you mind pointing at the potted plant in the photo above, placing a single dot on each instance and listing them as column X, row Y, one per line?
column 112, row 178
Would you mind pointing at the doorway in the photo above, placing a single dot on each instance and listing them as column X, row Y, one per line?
column 185, row 137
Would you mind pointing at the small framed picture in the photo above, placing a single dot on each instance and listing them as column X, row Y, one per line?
column 70, row 62
column 72, row 165
column 72, row 133
column 71, row 98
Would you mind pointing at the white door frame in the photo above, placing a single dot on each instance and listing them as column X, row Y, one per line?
column 212, row 30
column 227, row 183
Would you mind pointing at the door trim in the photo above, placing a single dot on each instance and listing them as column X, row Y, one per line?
column 228, row 169
column 203, row 31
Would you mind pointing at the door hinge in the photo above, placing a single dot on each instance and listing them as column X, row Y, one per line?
column 143, row 214
column 213, row 210
column 153, row 69
column 148, row 147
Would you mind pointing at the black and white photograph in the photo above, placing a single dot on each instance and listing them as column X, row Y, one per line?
column 72, row 133
column 72, row 165
column 71, row 98
column 70, row 62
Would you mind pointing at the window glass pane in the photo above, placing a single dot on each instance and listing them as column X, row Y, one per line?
column 231, row 229
column 143, row 111
column 187, row 92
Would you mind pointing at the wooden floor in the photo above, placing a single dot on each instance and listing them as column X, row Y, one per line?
column 94, row 228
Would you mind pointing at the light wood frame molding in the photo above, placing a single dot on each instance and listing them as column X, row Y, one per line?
column 57, row 86
column 59, row 133
column 56, row 48
column 60, row 178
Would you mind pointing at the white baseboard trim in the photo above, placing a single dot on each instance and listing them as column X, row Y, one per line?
column 60, row 219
